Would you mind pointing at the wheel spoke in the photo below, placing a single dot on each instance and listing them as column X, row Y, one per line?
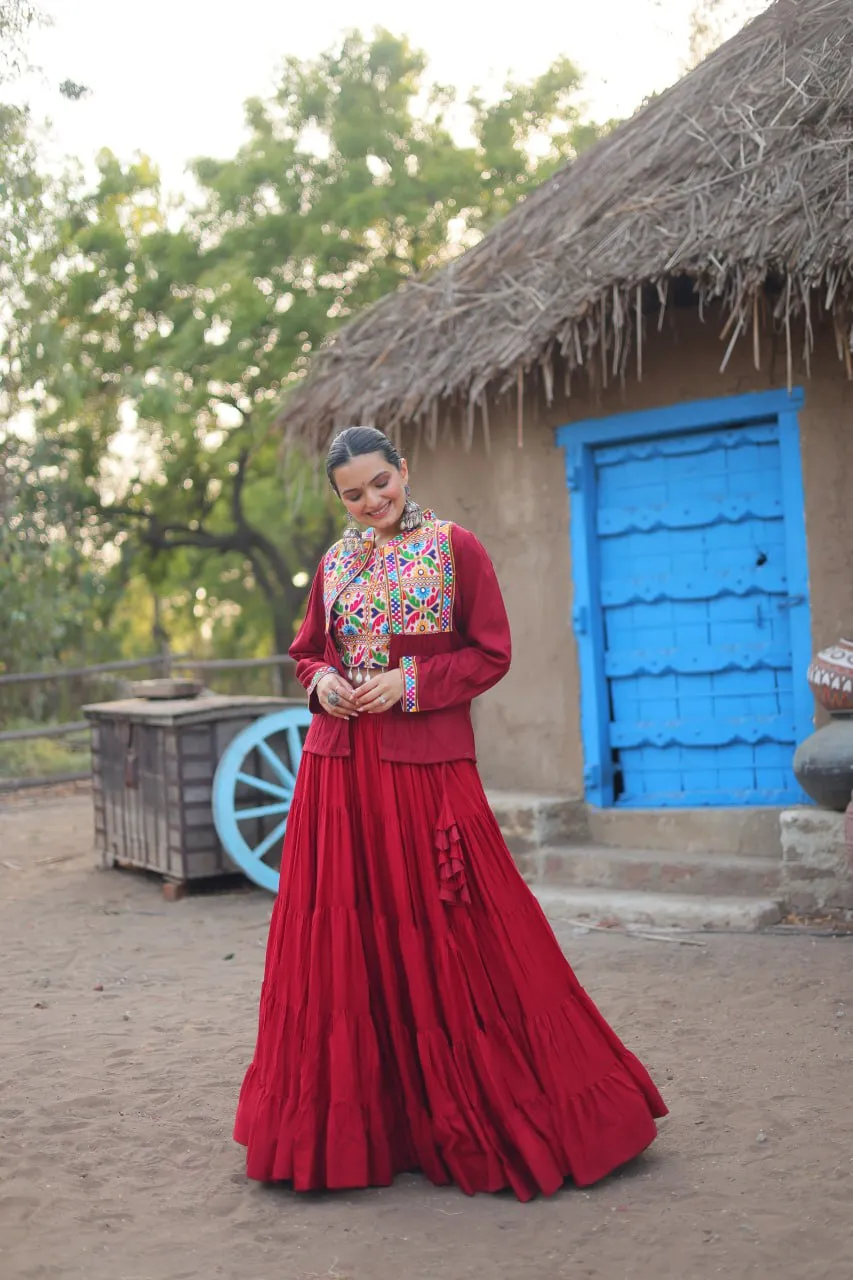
column 271, row 788
column 268, row 842
column 262, row 811
column 258, row 770
column 276, row 765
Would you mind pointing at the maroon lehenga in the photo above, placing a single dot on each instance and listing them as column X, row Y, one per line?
column 417, row 1012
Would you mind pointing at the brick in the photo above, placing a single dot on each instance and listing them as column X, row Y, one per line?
column 174, row 890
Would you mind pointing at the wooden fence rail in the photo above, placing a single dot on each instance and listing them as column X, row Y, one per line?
column 165, row 662
column 44, row 731
column 128, row 664
column 231, row 664
column 69, row 673
column 12, row 785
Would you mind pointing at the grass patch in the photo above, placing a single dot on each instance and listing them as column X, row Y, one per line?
column 43, row 757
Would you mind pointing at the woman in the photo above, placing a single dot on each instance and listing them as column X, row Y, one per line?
column 416, row 1011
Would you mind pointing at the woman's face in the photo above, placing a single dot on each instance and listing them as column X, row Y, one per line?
column 373, row 491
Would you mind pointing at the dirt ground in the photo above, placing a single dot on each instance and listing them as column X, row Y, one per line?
column 127, row 1023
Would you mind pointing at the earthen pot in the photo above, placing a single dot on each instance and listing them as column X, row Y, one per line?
column 830, row 676
column 823, row 764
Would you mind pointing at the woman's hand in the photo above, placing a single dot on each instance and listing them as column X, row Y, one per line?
column 380, row 693
column 342, row 705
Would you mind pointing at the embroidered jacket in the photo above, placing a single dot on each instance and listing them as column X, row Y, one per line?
column 427, row 602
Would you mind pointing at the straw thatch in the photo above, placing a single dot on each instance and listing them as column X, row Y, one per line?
column 738, row 179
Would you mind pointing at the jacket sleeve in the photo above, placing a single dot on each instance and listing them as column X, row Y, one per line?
column 309, row 648
column 448, row 679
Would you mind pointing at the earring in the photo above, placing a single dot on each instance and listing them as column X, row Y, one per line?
column 413, row 516
column 352, row 538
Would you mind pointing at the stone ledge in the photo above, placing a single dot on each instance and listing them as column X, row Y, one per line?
column 640, row 870
column 817, row 873
column 746, row 832
column 662, row 910
column 530, row 821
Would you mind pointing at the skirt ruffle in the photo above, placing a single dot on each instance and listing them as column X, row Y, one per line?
column 417, row 1011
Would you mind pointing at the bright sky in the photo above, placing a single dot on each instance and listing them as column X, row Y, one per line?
column 169, row 77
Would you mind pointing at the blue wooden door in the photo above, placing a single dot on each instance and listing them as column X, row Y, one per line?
column 688, row 543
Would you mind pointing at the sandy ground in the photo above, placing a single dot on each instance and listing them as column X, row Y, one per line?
column 127, row 1023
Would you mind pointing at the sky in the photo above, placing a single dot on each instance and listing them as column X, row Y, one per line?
column 169, row 77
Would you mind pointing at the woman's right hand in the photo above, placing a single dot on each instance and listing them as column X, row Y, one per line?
column 344, row 707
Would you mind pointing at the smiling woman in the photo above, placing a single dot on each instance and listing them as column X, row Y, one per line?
column 377, row 498
column 372, row 480
column 416, row 1011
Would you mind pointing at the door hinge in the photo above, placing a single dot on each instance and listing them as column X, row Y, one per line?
column 580, row 620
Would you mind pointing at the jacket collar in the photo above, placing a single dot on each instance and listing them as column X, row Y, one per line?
column 341, row 565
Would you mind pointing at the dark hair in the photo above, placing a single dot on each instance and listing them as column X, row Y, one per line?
column 355, row 442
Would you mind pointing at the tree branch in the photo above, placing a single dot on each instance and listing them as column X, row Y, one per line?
column 168, row 539
column 237, row 513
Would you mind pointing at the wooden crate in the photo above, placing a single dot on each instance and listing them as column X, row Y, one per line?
column 153, row 764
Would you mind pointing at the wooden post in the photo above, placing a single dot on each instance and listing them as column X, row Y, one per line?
column 277, row 681
column 161, row 639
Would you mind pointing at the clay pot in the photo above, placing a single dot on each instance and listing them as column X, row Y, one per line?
column 830, row 676
column 823, row 764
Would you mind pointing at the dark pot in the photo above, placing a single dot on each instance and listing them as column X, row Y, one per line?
column 823, row 764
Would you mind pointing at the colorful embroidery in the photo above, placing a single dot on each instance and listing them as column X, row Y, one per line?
column 409, row 668
column 339, row 569
column 360, row 619
column 404, row 588
column 421, row 581
column 317, row 677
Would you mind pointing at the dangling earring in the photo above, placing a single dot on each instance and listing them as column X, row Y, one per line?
column 352, row 542
column 413, row 516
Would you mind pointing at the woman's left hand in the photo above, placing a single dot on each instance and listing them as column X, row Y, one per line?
column 380, row 693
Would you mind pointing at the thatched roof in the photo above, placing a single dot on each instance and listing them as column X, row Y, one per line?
column 738, row 178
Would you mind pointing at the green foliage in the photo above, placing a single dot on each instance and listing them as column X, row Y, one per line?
column 43, row 757
column 54, row 590
column 151, row 347
column 528, row 133
column 21, row 195
column 16, row 18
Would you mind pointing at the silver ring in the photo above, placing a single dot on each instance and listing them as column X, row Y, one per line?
column 383, row 700
column 334, row 698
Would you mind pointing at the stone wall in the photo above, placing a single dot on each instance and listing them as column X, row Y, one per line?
column 817, row 874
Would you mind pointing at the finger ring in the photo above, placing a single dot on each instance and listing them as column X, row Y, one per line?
column 334, row 698
column 383, row 700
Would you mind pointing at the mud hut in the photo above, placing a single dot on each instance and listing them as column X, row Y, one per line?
column 637, row 390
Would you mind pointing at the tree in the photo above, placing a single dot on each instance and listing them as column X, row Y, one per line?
column 16, row 19
column 710, row 22
column 54, row 584
column 153, row 346
column 20, row 187
column 25, row 611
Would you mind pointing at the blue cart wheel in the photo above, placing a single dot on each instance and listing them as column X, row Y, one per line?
column 253, row 791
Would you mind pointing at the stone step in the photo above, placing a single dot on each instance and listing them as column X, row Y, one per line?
column 658, row 910
column 530, row 821
column 749, row 832
column 643, row 870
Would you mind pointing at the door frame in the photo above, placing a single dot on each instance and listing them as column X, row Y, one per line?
column 579, row 441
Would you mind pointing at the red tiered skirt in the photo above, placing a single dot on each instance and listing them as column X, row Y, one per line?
column 417, row 1011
